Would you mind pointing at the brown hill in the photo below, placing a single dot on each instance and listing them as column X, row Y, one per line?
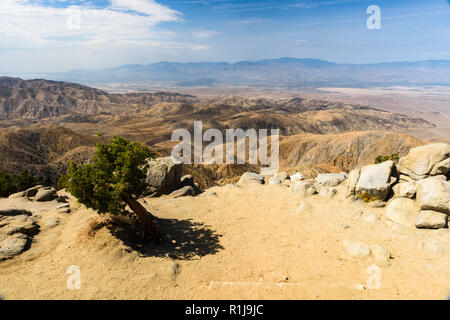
column 151, row 117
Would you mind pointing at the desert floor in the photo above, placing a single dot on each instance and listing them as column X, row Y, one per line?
column 243, row 243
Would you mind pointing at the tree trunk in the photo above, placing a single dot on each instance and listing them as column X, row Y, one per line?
column 147, row 219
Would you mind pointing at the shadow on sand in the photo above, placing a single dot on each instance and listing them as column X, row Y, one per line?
column 183, row 240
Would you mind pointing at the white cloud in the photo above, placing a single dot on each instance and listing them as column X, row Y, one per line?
column 27, row 25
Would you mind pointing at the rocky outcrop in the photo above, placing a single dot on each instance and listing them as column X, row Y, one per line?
column 374, row 181
column 405, row 190
column 163, row 176
column 16, row 232
column 434, row 194
column 425, row 161
column 330, row 179
column 402, row 211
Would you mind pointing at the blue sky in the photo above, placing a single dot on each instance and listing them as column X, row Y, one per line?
column 60, row 35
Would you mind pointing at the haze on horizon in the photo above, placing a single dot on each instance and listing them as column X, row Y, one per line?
column 60, row 35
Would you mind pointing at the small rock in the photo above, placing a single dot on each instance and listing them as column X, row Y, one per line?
column 64, row 205
column 17, row 195
column 44, row 195
column 211, row 193
column 356, row 249
column 281, row 175
column 53, row 222
column 185, row 191
column 274, row 180
column 63, row 210
column 381, row 255
column 330, row 179
column 428, row 219
column 250, row 177
column 297, row 177
column 174, row 268
column 32, row 191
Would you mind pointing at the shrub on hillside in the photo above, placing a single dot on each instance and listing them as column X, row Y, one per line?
column 13, row 183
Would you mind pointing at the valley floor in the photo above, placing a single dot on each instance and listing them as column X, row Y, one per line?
column 243, row 243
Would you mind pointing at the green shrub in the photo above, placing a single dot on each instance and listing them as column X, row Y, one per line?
column 115, row 180
column 380, row 159
column 13, row 183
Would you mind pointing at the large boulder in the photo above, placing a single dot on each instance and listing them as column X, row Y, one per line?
column 374, row 182
column 163, row 176
column 434, row 194
column 421, row 162
column 402, row 211
column 330, row 179
column 250, row 178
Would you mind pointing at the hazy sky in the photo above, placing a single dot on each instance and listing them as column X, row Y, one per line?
column 60, row 35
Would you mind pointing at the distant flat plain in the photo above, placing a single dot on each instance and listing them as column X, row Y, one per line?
column 430, row 103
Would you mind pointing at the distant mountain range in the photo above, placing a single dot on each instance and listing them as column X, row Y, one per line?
column 283, row 72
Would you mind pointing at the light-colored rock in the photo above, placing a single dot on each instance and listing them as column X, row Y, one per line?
column 17, row 195
column 64, row 210
column 374, row 182
column 211, row 193
column 427, row 219
column 426, row 160
column 297, row 177
column 13, row 246
column 330, row 179
column 304, row 188
column 53, row 222
column 185, row 191
column 250, row 178
column 356, row 249
column 402, row 211
column 434, row 194
column 352, row 180
column 381, row 255
column 405, row 190
column 31, row 192
column 44, row 195
column 274, row 180
column 163, row 176
column 281, row 175
column 304, row 207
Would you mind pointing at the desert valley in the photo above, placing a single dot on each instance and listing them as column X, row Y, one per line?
column 357, row 210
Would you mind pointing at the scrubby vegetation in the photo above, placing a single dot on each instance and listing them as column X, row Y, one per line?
column 115, row 180
column 380, row 159
column 13, row 183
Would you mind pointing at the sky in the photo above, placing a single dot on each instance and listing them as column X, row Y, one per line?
column 61, row 35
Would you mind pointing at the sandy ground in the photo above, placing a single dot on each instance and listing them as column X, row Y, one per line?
column 244, row 243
